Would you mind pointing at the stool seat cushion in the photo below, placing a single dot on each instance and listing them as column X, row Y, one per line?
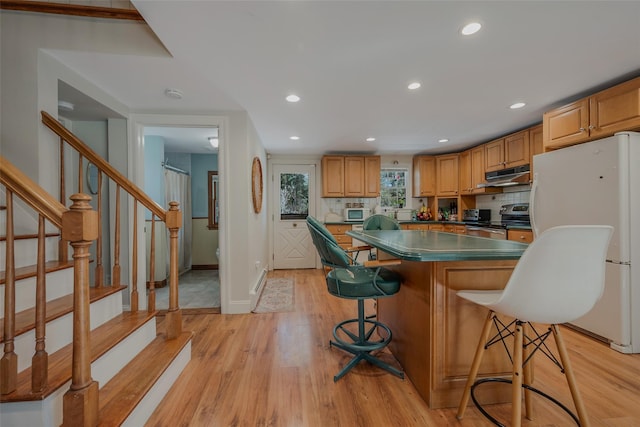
column 362, row 282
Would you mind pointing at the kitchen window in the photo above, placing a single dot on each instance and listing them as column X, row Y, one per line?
column 393, row 188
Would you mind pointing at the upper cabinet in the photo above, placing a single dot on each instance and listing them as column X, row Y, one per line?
column 333, row 176
column 464, row 173
column 354, row 176
column 507, row 152
column 350, row 176
column 424, row 176
column 371, row 176
column 535, row 144
column 602, row 114
column 447, row 175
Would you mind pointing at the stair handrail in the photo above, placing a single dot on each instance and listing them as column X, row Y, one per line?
column 31, row 193
column 103, row 165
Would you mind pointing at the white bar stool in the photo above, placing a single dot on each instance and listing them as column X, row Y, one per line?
column 558, row 279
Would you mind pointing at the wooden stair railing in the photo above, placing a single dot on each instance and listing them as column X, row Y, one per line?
column 78, row 225
column 172, row 219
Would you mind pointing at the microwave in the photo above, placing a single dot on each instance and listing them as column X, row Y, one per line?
column 356, row 214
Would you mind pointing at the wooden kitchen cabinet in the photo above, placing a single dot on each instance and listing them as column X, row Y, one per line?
column 535, row 144
column 465, row 186
column 339, row 232
column 507, row 152
column 523, row 236
column 424, row 176
column 597, row 116
column 414, row 226
column 354, row 176
column 447, row 175
column 350, row 176
column 333, row 176
column 371, row 176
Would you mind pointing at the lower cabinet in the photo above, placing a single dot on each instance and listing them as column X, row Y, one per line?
column 339, row 232
column 524, row 236
column 438, row 226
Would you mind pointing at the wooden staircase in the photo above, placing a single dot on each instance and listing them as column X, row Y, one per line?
column 71, row 354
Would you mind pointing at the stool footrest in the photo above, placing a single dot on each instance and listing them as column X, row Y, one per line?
column 527, row 386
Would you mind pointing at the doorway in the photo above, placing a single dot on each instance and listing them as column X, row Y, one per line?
column 207, row 272
column 294, row 199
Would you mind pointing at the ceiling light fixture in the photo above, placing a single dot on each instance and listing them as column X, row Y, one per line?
column 214, row 141
column 517, row 105
column 65, row 105
column 470, row 28
column 293, row 98
column 443, row 140
column 173, row 93
column 414, row 86
column 370, row 139
column 294, row 138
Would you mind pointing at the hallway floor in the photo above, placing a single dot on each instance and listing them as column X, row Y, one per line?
column 197, row 289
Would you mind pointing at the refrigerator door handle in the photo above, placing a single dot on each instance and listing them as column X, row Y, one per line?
column 532, row 205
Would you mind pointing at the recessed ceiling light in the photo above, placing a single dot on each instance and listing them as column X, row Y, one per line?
column 370, row 139
column 470, row 28
column 293, row 98
column 294, row 138
column 517, row 105
column 443, row 140
column 414, row 86
column 173, row 93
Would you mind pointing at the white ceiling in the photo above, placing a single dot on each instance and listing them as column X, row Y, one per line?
column 351, row 62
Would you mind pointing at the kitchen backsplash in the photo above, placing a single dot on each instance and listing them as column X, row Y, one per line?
column 485, row 201
column 494, row 201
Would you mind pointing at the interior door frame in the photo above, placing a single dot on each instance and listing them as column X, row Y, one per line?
column 137, row 123
column 273, row 199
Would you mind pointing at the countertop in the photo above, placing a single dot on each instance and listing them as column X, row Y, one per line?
column 508, row 227
column 438, row 246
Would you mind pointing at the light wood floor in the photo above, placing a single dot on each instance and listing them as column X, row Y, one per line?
column 277, row 369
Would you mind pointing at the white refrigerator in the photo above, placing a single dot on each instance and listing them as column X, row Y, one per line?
column 599, row 183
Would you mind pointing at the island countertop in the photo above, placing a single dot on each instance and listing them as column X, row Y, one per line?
column 415, row 245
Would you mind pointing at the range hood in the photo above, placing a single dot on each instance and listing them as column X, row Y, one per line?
column 518, row 175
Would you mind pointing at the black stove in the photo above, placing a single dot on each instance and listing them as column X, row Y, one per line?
column 512, row 215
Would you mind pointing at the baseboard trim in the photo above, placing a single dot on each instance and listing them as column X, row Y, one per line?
column 205, row 267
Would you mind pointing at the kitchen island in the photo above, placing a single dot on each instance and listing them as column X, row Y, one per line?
column 435, row 333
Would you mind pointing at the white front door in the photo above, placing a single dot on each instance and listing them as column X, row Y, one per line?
column 294, row 193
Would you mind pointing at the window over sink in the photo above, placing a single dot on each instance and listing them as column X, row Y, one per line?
column 393, row 188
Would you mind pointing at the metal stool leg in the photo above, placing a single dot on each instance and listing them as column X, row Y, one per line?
column 475, row 366
column 571, row 380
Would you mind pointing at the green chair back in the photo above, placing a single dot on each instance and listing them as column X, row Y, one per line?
column 380, row 222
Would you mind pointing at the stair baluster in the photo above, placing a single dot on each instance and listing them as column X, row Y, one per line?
column 134, row 260
column 115, row 275
column 9, row 361
column 40, row 359
column 99, row 273
column 151, row 303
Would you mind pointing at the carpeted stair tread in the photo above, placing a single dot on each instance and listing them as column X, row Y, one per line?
column 26, row 320
column 103, row 338
column 120, row 396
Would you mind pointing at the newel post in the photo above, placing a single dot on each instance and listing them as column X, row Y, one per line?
column 174, row 314
column 80, row 228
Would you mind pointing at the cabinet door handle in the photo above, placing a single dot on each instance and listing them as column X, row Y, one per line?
column 582, row 129
column 591, row 127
